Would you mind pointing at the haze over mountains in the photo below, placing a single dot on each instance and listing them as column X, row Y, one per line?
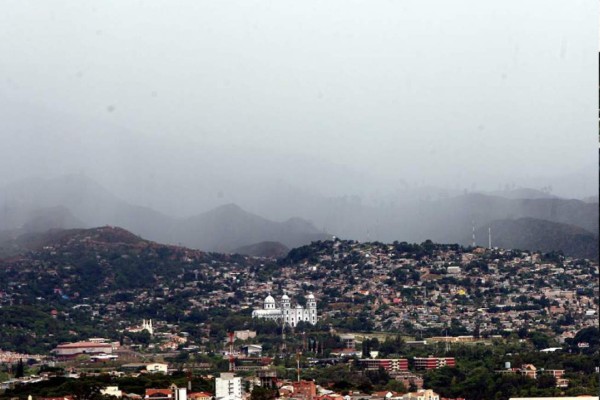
column 75, row 201
column 220, row 125
column 541, row 235
column 519, row 218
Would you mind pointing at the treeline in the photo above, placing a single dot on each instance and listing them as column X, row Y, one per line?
column 88, row 387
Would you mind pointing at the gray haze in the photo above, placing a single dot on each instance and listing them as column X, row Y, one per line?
column 276, row 105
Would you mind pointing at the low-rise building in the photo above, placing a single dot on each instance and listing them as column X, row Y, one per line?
column 199, row 396
column 388, row 364
column 112, row 391
column 72, row 350
column 434, row 362
column 244, row 335
column 305, row 390
column 426, row 394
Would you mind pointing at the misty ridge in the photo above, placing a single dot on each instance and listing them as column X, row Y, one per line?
column 263, row 126
column 519, row 218
column 228, row 199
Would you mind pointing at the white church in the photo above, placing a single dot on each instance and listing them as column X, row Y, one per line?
column 286, row 313
column 146, row 326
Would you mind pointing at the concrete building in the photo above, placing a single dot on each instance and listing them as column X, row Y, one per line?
column 72, row 350
column 268, row 378
column 252, row 350
column 529, row 370
column 426, row 394
column 434, row 362
column 112, row 391
column 349, row 340
column 244, row 335
column 157, row 368
column 408, row 378
column 305, row 390
column 228, row 387
column 388, row 364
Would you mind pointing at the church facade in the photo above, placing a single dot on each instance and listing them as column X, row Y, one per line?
column 284, row 312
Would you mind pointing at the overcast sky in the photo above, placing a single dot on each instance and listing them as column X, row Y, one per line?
column 331, row 96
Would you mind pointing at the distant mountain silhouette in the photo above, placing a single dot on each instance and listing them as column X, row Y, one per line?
column 522, row 193
column 44, row 219
column 443, row 219
column 536, row 234
column 15, row 242
column 103, row 234
column 453, row 218
column 76, row 201
column 86, row 200
column 229, row 227
column 264, row 249
column 591, row 199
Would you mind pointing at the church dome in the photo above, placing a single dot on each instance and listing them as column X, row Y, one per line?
column 299, row 307
column 285, row 297
column 310, row 296
column 270, row 299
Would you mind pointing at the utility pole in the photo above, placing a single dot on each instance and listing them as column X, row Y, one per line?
column 283, row 345
column 298, row 364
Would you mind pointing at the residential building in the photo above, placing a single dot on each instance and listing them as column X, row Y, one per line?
column 244, row 335
column 158, row 394
column 426, row 394
column 199, row 396
column 112, row 391
column 349, row 341
column 388, row 364
column 228, row 387
column 160, row 368
column 306, row 390
column 434, row 362
column 408, row 379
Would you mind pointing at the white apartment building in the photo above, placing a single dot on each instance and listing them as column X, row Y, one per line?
column 228, row 387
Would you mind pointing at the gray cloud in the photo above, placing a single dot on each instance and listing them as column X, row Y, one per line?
column 184, row 106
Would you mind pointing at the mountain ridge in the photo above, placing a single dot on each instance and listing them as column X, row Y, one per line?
column 540, row 235
column 77, row 200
